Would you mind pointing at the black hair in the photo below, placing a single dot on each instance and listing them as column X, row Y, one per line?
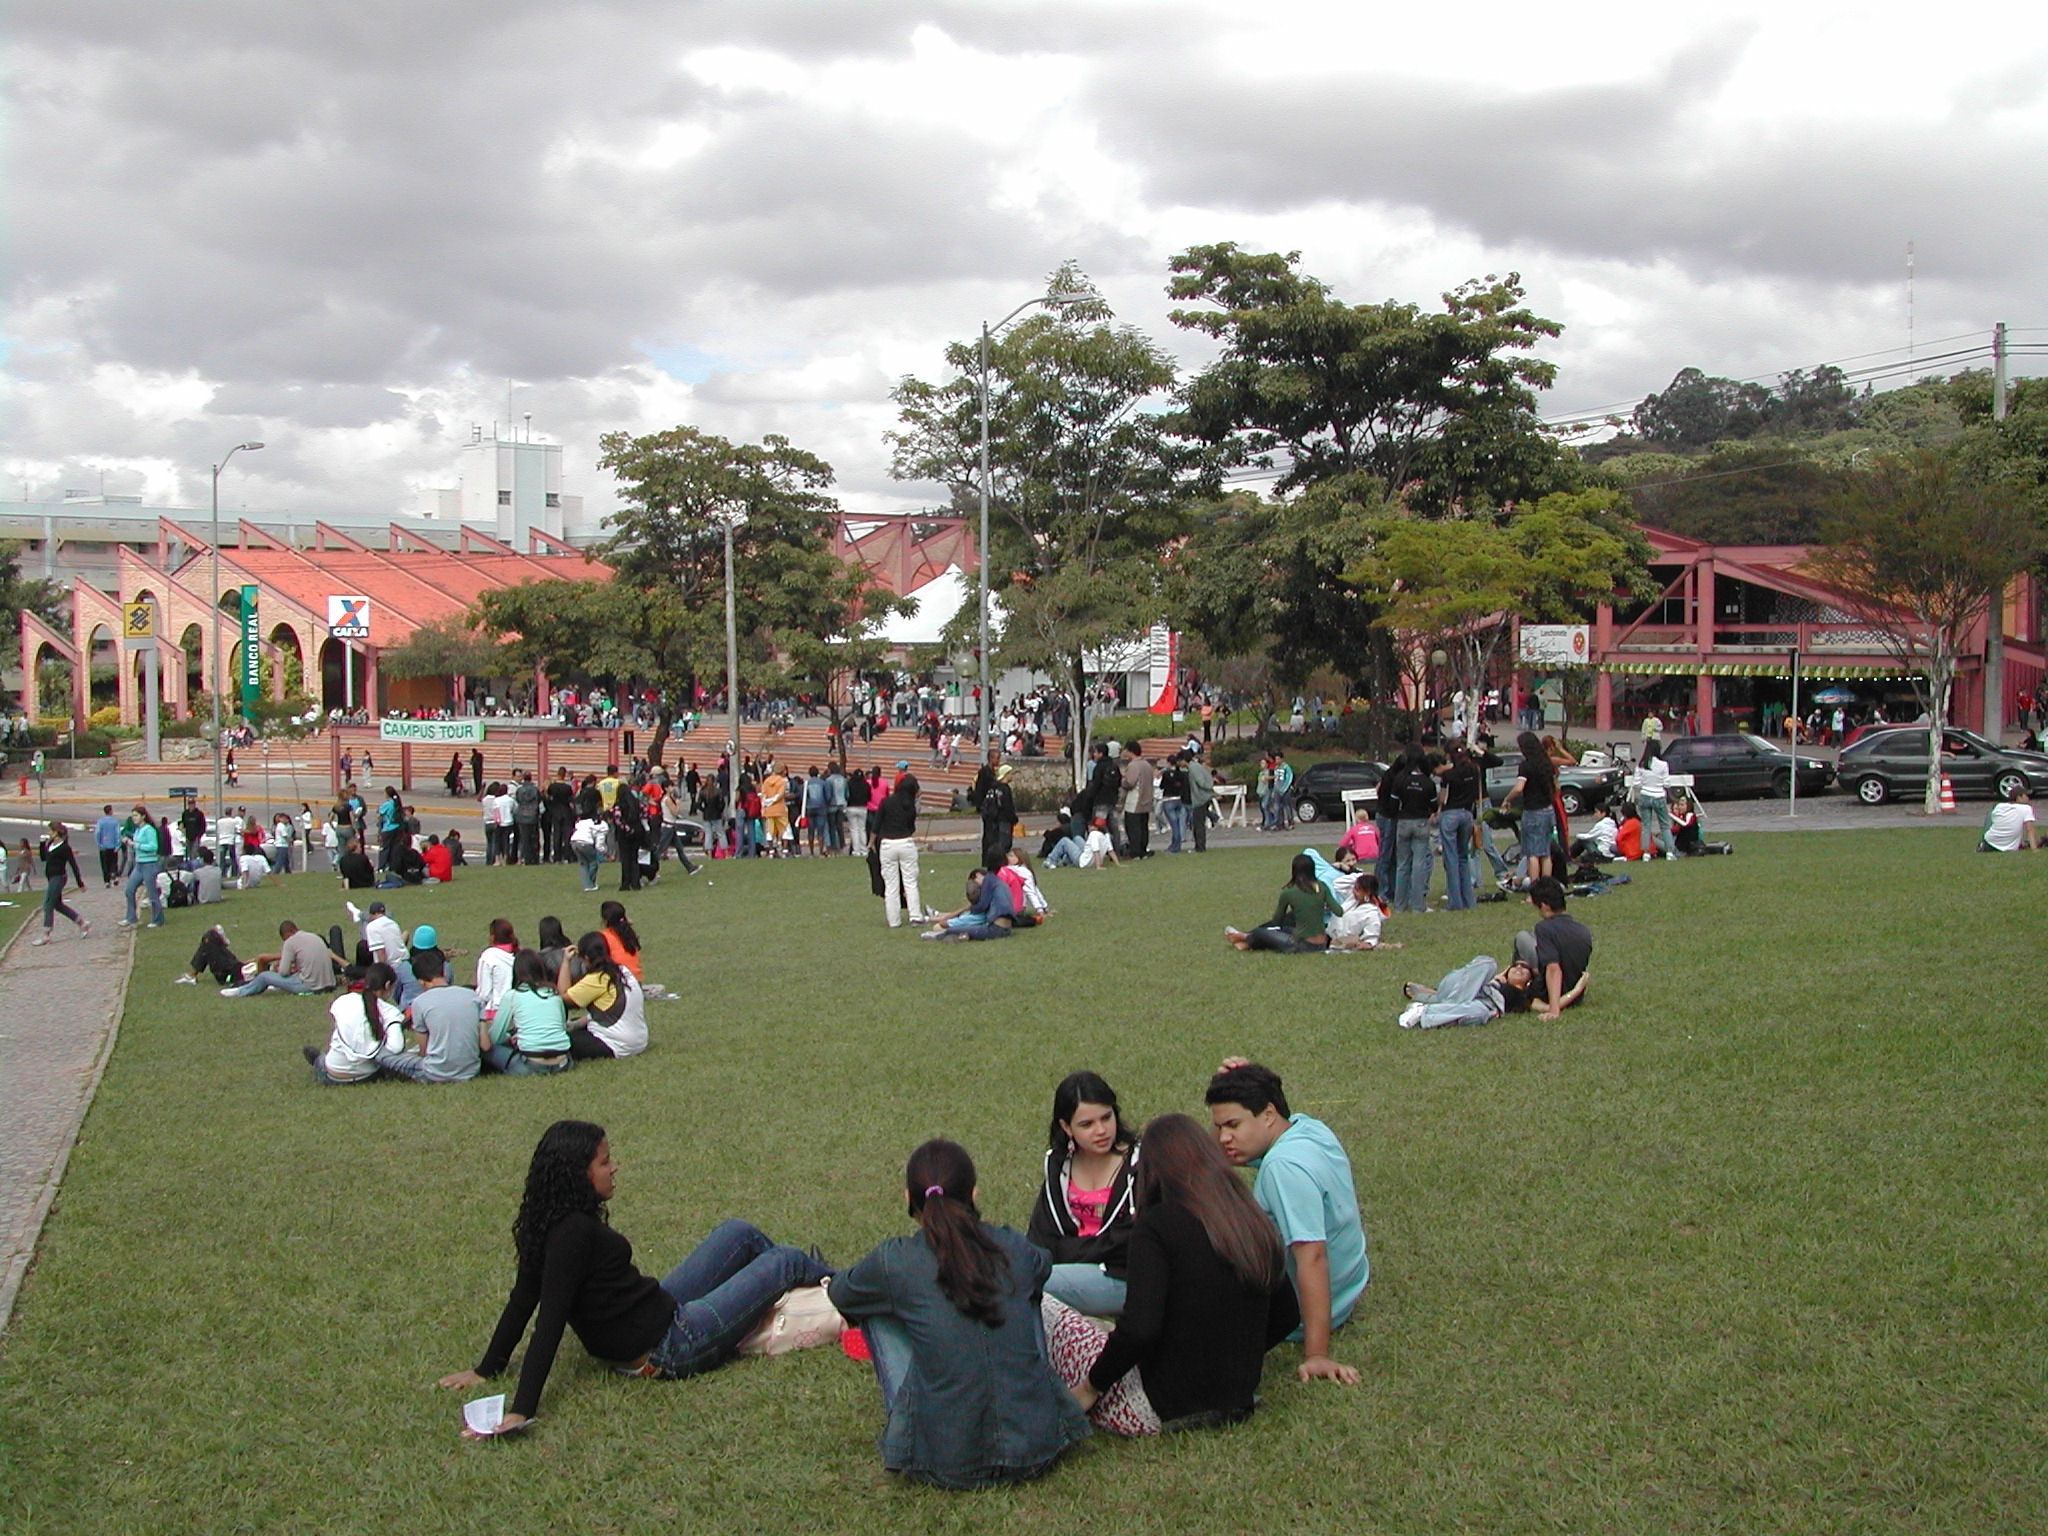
column 551, row 934
column 502, row 931
column 1548, row 892
column 429, row 965
column 1531, row 745
column 972, row 1268
column 557, row 1185
column 1302, row 876
column 376, row 977
column 1251, row 1085
column 614, row 915
column 596, row 956
column 1076, row 1089
column 531, row 972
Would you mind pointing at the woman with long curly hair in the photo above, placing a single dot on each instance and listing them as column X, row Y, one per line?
column 577, row 1272
column 951, row 1319
column 1207, row 1295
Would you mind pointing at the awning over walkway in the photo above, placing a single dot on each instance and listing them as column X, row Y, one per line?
column 1750, row 669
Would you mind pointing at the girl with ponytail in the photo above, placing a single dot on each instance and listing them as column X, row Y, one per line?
column 951, row 1320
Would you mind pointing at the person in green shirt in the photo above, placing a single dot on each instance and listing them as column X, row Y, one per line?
column 1299, row 923
column 529, row 1035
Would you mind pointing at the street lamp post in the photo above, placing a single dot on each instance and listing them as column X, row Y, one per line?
column 983, row 678
column 213, row 599
column 732, row 654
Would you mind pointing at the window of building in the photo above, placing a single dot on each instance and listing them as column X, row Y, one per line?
column 504, row 498
column 554, row 500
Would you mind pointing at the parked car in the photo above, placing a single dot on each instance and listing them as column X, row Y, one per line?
column 1581, row 789
column 1893, row 762
column 1319, row 790
column 1723, row 767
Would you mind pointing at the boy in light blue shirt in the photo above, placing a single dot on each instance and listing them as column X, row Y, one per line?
column 1304, row 1184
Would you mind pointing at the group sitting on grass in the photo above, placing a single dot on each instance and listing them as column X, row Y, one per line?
column 1143, row 1300
column 998, row 903
column 1323, row 907
column 531, row 1012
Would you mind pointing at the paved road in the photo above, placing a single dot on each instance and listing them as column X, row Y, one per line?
column 60, row 1005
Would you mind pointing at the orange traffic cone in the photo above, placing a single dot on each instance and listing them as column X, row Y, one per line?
column 1948, row 794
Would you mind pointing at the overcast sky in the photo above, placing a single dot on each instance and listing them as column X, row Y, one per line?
column 354, row 230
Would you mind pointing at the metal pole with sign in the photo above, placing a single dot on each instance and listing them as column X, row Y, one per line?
column 1793, row 743
column 252, row 655
column 138, row 633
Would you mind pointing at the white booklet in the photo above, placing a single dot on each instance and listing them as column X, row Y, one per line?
column 486, row 1416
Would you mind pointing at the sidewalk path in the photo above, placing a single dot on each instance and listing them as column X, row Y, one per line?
column 60, row 1006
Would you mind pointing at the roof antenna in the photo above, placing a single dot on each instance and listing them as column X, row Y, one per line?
column 529, row 426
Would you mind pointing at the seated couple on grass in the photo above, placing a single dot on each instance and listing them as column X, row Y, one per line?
column 997, row 903
column 1311, row 918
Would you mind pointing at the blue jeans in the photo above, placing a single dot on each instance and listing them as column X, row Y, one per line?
column 1655, row 811
column 268, row 981
column 1539, row 832
column 722, row 1290
column 1455, row 1000
column 1493, row 856
column 590, row 861
column 1087, row 1288
column 889, row 1350
column 1461, row 874
column 143, row 876
column 967, row 920
column 1414, row 838
column 1068, row 851
column 1177, row 822
column 53, row 903
column 518, row 1064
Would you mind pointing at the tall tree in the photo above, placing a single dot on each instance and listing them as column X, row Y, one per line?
column 793, row 598
column 1438, row 405
column 1918, row 546
column 1089, row 488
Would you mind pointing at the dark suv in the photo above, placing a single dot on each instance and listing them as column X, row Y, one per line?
column 1893, row 762
column 1319, row 791
column 1723, row 767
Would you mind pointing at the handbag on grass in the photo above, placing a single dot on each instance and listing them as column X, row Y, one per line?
column 802, row 1319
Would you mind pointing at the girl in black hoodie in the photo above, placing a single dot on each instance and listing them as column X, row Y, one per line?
column 1086, row 1206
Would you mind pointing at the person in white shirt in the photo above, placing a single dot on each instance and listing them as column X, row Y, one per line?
column 351, row 1055
column 1653, row 802
column 2011, row 825
column 1099, row 850
column 1599, row 838
column 380, row 931
column 255, row 869
column 494, row 966
column 1358, row 925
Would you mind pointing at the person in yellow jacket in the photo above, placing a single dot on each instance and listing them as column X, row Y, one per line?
column 775, row 808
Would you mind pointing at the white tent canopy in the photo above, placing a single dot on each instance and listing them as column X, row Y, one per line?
column 938, row 600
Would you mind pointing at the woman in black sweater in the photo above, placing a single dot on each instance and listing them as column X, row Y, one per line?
column 1207, row 1291
column 579, row 1273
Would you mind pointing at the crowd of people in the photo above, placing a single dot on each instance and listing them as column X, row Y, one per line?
column 1141, row 1299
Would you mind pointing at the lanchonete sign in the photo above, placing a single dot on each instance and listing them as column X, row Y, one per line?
column 430, row 730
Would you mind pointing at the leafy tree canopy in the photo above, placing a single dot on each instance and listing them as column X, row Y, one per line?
column 1441, row 405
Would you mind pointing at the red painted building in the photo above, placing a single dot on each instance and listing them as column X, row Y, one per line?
column 1719, row 642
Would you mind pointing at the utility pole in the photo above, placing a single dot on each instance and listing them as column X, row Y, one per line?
column 1909, row 305
column 1998, row 371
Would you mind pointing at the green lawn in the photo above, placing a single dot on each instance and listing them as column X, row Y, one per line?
column 1752, row 1243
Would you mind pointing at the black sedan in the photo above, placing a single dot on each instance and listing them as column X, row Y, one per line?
column 1725, row 767
column 1893, row 763
column 1319, row 791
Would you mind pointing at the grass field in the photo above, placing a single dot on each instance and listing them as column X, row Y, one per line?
column 1752, row 1243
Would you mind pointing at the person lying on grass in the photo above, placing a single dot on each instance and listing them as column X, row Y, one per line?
column 1208, row 1296
column 951, row 1318
column 1472, row 994
column 576, row 1272
column 1304, row 1183
column 1086, row 1203
column 1298, row 923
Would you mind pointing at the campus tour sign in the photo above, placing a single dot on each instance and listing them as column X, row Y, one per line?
column 1556, row 645
column 430, row 730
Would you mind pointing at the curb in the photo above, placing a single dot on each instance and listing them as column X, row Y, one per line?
column 19, row 1264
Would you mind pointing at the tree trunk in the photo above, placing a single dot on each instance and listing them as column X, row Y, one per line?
column 664, row 719
column 1940, row 673
column 1077, row 744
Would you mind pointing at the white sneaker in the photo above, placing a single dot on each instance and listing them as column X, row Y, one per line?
column 41, row 938
column 185, row 981
column 229, row 991
column 1671, row 855
column 354, row 915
